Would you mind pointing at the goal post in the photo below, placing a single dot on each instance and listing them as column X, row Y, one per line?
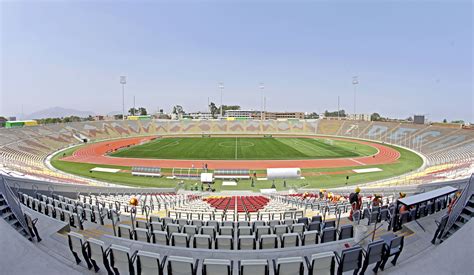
column 329, row 141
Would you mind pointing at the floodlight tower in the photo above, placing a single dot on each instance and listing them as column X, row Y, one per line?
column 355, row 82
column 221, row 87
column 123, row 81
column 262, row 87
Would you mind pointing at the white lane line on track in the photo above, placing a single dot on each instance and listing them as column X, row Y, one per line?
column 356, row 161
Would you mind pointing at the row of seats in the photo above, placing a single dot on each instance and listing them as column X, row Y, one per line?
column 207, row 238
column 117, row 259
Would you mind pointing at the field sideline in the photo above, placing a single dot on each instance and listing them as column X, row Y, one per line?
column 239, row 148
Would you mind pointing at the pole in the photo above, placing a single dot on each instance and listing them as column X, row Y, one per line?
column 133, row 105
column 355, row 81
column 221, row 87
column 263, row 100
column 338, row 108
column 123, row 101
column 123, row 81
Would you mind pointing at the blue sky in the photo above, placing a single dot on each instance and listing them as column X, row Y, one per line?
column 410, row 56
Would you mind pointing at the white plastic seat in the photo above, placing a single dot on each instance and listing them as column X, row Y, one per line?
column 321, row 263
column 160, row 237
column 120, row 260
column 148, row 263
column 290, row 240
column 97, row 253
column 262, row 230
column 208, row 230
column 77, row 246
column 280, row 229
column 172, row 228
column 289, row 266
column 141, row 234
column 190, row 230
column 180, row 240
column 298, row 228
column 226, row 230
column 224, row 242
column 124, row 231
column 216, row 267
column 253, row 267
column 202, row 241
column 268, row 241
column 310, row 237
column 182, row 266
column 244, row 231
column 246, row 242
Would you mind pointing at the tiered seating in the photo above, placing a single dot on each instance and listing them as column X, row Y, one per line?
column 239, row 203
column 25, row 149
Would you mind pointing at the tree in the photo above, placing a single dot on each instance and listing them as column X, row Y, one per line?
column 133, row 111
column 230, row 107
column 178, row 109
column 214, row 110
column 445, row 121
column 142, row 111
column 312, row 115
column 342, row 113
column 458, row 121
column 375, row 117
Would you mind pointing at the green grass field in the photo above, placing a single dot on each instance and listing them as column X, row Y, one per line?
column 407, row 162
column 243, row 148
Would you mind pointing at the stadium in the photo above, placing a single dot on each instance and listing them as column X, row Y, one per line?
column 135, row 195
column 236, row 137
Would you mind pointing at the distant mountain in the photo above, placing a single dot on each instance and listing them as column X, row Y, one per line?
column 114, row 113
column 58, row 112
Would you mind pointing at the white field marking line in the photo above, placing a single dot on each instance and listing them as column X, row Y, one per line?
column 236, row 148
column 174, row 143
column 356, row 161
column 302, row 143
column 245, row 144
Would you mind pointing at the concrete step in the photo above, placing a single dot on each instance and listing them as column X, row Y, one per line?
column 458, row 224
column 470, row 209
column 3, row 207
column 6, row 215
column 12, row 222
column 465, row 217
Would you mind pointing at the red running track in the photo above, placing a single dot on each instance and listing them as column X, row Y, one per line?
column 97, row 154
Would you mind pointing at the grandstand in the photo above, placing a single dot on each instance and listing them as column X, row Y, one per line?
column 24, row 150
column 110, row 229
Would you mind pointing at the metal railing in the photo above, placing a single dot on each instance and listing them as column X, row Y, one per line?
column 459, row 205
column 14, row 204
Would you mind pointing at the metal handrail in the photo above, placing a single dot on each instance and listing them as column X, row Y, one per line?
column 14, row 204
column 459, row 205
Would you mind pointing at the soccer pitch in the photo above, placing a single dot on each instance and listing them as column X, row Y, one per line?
column 243, row 148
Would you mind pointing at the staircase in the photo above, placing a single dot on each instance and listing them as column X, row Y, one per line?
column 466, row 214
column 7, row 215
